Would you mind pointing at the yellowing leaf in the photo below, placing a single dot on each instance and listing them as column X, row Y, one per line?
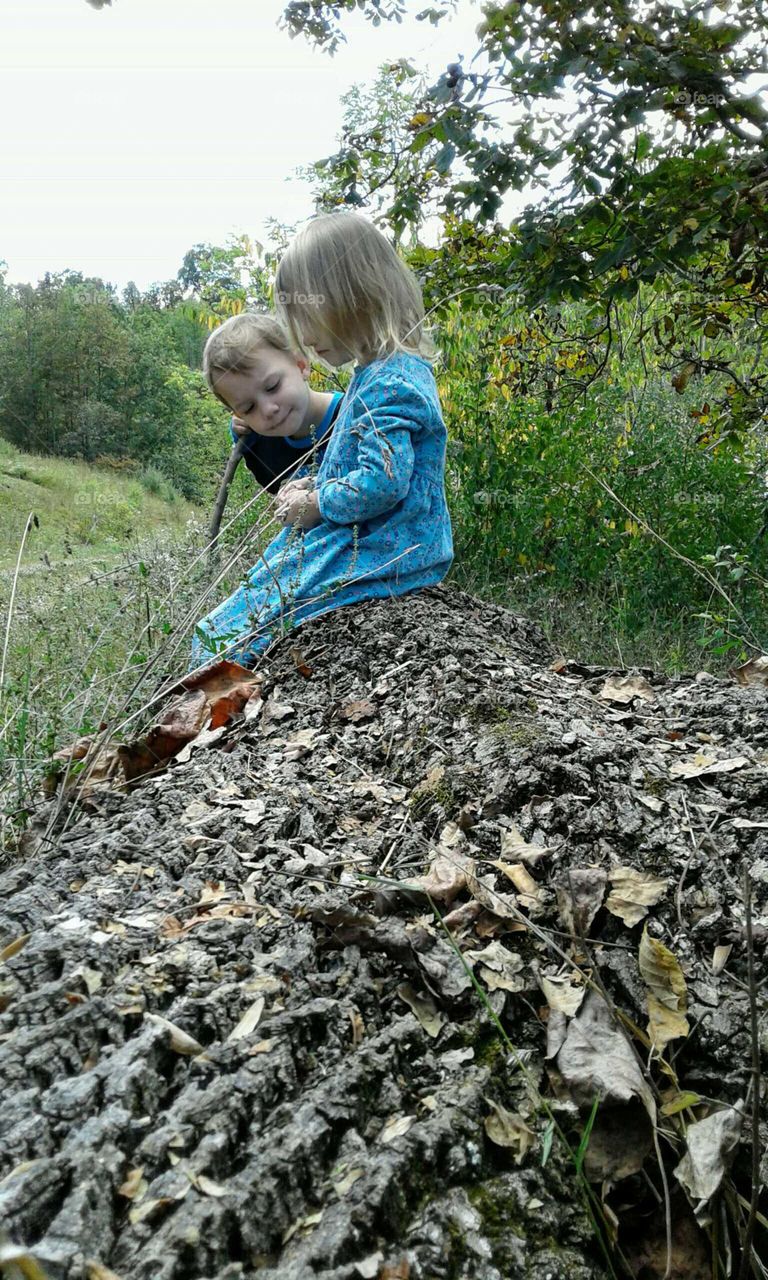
column 680, row 1102
column 667, row 992
column 424, row 1007
column 248, row 1022
column 396, row 1127
column 633, row 893
column 506, row 1129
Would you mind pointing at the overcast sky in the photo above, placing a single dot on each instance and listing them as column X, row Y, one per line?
column 133, row 132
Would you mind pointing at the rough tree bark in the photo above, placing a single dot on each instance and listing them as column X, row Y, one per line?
column 235, row 1040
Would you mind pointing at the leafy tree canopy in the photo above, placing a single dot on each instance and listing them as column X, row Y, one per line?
column 642, row 131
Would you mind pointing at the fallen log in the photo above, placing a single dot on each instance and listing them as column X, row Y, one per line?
column 437, row 967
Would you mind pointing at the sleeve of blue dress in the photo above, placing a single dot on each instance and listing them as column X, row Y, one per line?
column 384, row 426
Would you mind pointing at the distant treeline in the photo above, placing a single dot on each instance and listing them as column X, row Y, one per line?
column 116, row 380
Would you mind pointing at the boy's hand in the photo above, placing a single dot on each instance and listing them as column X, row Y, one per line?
column 239, row 428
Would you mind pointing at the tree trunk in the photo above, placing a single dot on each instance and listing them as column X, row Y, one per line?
column 238, row 1042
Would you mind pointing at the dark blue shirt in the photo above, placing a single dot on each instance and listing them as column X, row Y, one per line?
column 274, row 459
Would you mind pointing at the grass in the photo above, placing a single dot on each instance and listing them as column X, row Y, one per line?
column 111, row 581
column 84, row 513
column 595, row 626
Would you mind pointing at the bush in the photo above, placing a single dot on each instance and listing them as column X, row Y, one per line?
column 529, row 487
column 157, row 483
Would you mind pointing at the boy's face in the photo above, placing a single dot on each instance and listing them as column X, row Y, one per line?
column 271, row 398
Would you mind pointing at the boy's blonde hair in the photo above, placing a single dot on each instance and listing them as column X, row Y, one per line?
column 232, row 347
column 340, row 270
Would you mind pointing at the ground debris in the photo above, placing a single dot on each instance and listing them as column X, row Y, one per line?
column 250, row 1008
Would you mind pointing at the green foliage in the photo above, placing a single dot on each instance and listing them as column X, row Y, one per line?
column 85, row 376
column 155, row 482
column 638, row 128
column 622, row 493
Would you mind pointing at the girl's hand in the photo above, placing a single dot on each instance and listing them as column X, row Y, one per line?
column 297, row 505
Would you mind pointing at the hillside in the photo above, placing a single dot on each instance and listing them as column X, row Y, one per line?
column 84, row 512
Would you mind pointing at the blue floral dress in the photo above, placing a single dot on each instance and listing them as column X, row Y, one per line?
column 385, row 526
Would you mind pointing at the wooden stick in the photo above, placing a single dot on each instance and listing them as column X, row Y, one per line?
column 221, row 501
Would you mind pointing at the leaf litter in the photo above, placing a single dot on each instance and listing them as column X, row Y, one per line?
column 266, row 910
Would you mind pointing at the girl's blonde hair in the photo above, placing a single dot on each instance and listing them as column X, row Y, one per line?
column 341, row 271
column 233, row 346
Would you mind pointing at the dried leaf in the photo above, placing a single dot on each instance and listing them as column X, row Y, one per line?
column 624, row 689
column 744, row 824
column 633, row 893
column 579, row 898
column 720, row 958
column 148, row 1208
column 596, row 1059
column 133, row 1184
column 507, row 1129
column 667, row 993
column 343, row 1185
column 530, row 895
column 701, row 764
column 562, row 995
column 212, row 891
column 515, row 847
column 14, row 947
column 304, row 1225
column 180, row 1041
column 262, row 1046
column 486, row 893
column 209, row 1187
column 447, row 874
column 753, row 672
column 396, row 1127
column 368, row 1268
column 95, row 1271
column 498, row 967
column 424, row 1007
column 396, row 1270
column 249, row 1021
column 710, row 1144
column 19, row 1262
column 354, row 712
